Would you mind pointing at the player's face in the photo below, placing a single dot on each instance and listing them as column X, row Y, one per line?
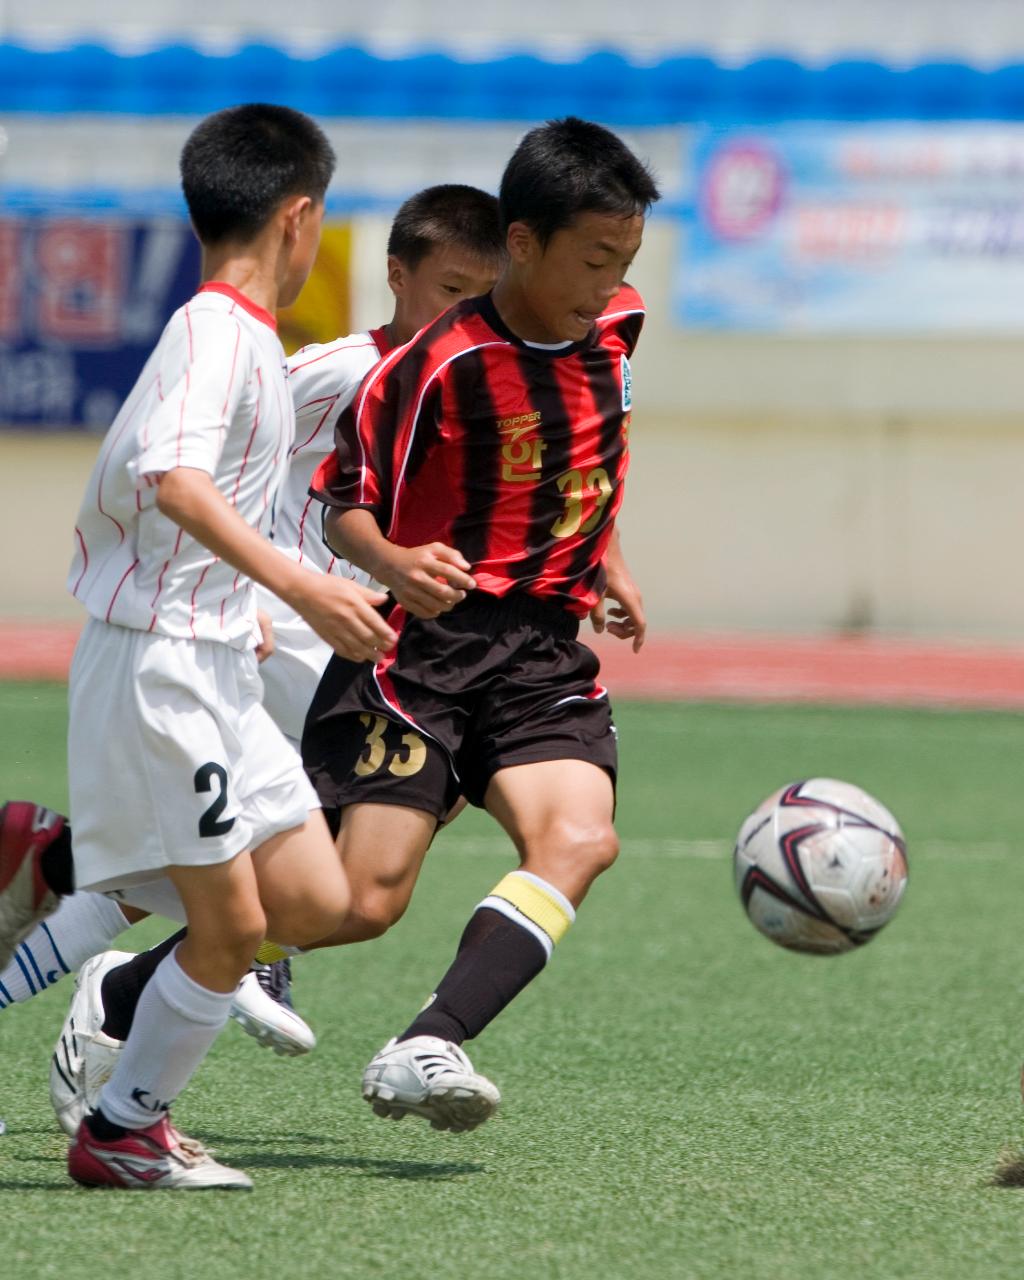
column 446, row 275
column 306, row 226
column 567, row 283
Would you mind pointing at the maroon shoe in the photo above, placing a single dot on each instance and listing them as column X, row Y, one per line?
column 27, row 830
column 158, row 1158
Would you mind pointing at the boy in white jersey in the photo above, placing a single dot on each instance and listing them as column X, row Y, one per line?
column 445, row 243
column 176, row 772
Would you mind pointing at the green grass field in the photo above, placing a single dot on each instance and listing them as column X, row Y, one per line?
column 682, row 1099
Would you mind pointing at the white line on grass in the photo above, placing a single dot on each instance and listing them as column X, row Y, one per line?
column 991, row 850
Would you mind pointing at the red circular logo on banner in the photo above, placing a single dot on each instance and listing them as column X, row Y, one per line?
column 742, row 189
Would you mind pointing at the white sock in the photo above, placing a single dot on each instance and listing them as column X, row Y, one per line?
column 175, row 1024
column 82, row 926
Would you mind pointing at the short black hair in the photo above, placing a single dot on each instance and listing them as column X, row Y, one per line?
column 239, row 164
column 567, row 167
column 449, row 214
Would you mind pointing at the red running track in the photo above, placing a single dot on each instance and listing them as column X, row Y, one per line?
column 742, row 668
column 838, row 670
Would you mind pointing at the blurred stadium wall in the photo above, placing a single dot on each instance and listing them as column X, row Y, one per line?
column 828, row 394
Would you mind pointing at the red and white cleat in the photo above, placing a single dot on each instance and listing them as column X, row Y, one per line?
column 27, row 830
column 157, row 1158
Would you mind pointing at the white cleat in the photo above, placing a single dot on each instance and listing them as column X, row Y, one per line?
column 429, row 1077
column 84, row 1057
column 262, row 1007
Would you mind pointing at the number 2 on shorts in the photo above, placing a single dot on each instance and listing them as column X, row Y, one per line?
column 209, row 823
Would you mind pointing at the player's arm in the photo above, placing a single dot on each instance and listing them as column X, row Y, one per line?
column 205, row 370
column 627, row 619
column 396, row 403
column 427, row 580
column 340, row 611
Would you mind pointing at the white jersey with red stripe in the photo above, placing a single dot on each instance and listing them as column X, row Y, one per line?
column 323, row 379
column 212, row 396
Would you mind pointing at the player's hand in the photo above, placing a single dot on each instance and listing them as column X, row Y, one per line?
column 267, row 644
column 627, row 620
column 426, row 581
column 345, row 615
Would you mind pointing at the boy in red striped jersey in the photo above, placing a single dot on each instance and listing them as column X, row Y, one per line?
column 478, row 475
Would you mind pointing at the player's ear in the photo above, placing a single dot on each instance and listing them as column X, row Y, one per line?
column 295, row 211
column 522, row 243
column 398, row 275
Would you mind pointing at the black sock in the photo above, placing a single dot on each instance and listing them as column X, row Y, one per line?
column 123, row 986
column 495, row 961
column 56, row 865
column 102, row 1128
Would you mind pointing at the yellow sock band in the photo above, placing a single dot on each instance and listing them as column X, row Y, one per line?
column 270, row 953
column 542, row 905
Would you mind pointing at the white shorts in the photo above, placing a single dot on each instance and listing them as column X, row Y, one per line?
column 172, row 760
column 292, row 672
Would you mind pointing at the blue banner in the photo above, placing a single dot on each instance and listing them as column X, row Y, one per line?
column 352, row 82
column 82, row 303
column 856, row 229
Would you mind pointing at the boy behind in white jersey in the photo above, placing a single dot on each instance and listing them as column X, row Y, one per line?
column 445, row 244
column 176, row 771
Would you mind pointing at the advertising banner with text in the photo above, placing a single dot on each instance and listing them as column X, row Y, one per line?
column 857, row 229
column 84, row 299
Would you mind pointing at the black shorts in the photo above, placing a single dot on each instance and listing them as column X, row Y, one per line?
column 493, row 683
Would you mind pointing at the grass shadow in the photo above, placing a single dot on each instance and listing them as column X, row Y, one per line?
column 399, row 1170
column 367, row 1166
column 1009, row 1170
column 211, row 1139
column 360, row 1166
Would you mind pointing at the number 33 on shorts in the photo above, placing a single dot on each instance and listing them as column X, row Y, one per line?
column 403, row 760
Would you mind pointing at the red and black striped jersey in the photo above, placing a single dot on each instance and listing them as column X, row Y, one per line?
column 513, row 453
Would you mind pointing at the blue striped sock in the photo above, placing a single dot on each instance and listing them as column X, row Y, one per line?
column 83, row 925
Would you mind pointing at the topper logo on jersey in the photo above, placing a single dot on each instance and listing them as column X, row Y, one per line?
column 521, row 453
column 627, row 383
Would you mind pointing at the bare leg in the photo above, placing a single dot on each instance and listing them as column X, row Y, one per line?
column 382, row 848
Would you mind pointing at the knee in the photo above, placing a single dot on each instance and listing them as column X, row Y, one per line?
column 372, row 915
column 592, row 847
column 604, row 849
column 300, row 923
column 234, row 936
column 572, row 855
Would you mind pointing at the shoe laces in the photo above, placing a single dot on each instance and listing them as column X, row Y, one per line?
column 192, row 1148
column 434, row 1062
column 276, row 980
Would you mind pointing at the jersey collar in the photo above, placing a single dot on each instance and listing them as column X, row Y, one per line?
column 489, row 311
column 229, row 291
column 379, row 338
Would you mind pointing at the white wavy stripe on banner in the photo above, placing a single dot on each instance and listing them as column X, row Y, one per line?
column 985, row 32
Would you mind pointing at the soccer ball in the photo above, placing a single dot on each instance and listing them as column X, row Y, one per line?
column 820, row 867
